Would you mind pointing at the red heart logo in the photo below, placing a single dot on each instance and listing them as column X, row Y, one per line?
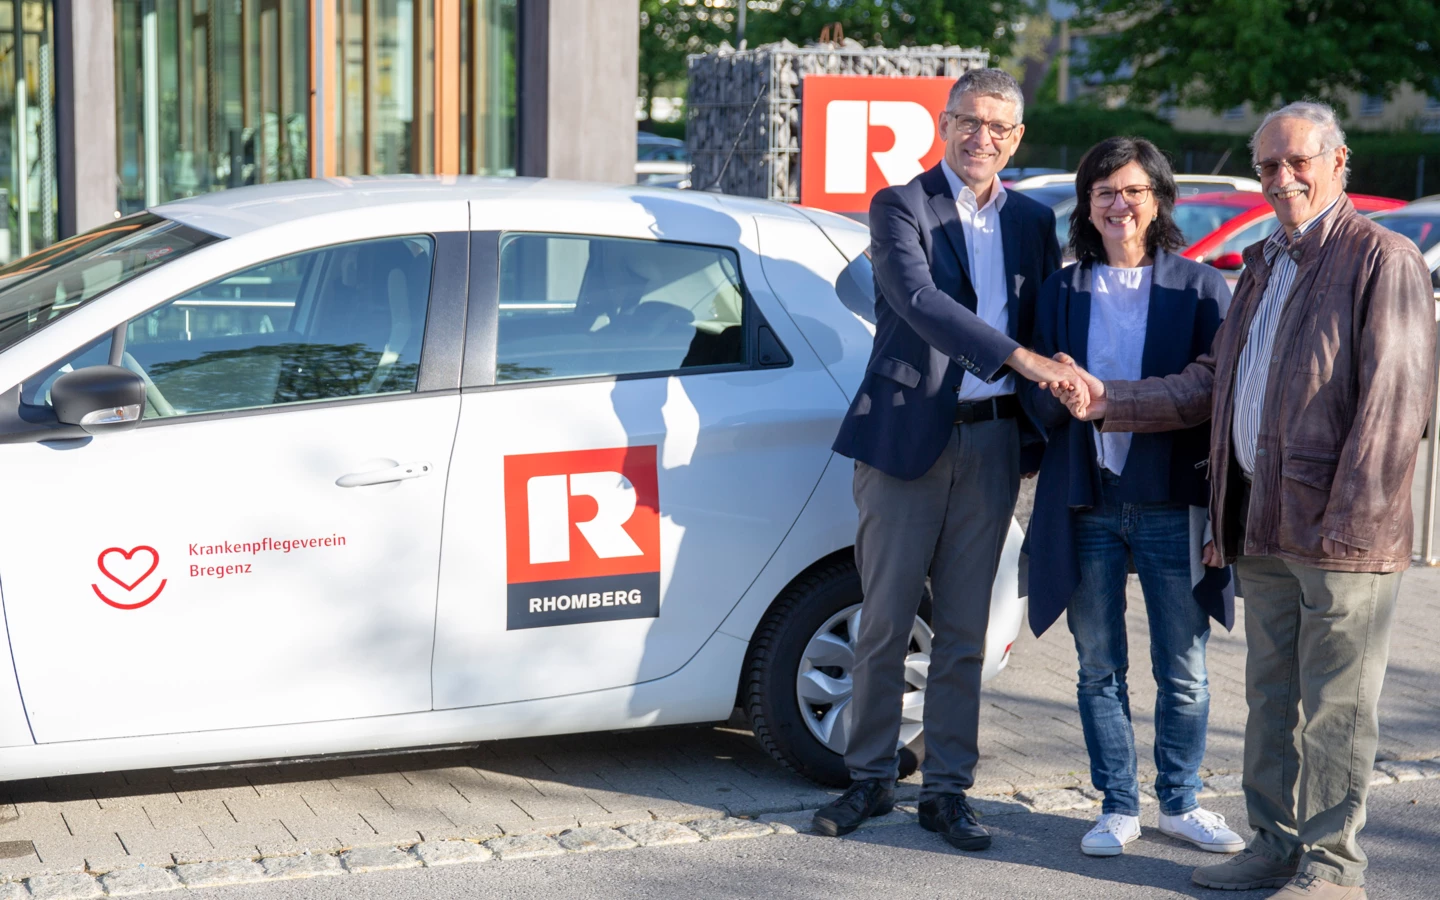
column 125, row 565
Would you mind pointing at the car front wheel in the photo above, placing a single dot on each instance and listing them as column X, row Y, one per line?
column 798, row 676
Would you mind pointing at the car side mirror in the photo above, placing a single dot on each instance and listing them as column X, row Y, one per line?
column 99, row 399
column 1230, row 262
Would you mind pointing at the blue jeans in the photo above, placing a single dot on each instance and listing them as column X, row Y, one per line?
column 1157, row 537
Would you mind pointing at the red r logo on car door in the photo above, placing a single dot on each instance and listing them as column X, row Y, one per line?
column 582, row 533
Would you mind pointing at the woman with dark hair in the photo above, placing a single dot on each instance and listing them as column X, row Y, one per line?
column 1130, row 308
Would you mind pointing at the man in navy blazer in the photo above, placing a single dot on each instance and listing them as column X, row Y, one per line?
column 935, row 431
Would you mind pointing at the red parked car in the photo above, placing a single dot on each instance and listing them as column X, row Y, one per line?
column 1221, row 225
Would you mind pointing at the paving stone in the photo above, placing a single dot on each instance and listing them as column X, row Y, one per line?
column 445, row 853
column 802, row 822
column 900, row 815
column 661, row 834
column 1054, row 800
column 1379, row 777
column 377, row 859
column 64, row 887
column 729, row 829
column 214, row 874
column 1226, row 785
column 524, row 846
column 139, row 880
column 306, row 865
column 996, row 805
column 13, row 890
column 594, row 839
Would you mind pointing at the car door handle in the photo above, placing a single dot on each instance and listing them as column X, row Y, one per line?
column 401, row 472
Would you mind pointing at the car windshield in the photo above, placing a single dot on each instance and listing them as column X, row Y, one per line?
column 1421, row 228
column 42, row 287
column 1196, row 220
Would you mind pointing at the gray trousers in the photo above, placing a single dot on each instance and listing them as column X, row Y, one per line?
column 949, row 524
column 1317, row 644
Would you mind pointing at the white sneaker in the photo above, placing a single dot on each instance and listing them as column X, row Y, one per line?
column 1111, row 833
column 1204, row 829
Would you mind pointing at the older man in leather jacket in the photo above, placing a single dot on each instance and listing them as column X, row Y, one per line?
column 1319, row 385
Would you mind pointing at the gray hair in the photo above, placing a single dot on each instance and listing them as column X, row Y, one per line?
column 1322, row 116
column 989, row 83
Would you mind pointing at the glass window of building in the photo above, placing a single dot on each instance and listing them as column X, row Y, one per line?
column 487, row 87
column 209, row 95
column 28, row 164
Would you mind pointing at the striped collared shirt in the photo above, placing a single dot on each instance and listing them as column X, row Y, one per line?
column 1253, row 371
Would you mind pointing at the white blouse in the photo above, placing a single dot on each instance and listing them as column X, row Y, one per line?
column 1119, row 310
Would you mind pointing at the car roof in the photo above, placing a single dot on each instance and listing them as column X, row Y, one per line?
column 1241, row 199
column 1428, row 206
column 237, row 211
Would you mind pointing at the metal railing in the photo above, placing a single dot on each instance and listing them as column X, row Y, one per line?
column 1427, row 555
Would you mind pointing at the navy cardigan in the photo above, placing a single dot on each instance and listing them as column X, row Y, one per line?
column 1187, row 301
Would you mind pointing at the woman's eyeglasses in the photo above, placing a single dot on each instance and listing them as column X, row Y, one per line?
column 1134, row 195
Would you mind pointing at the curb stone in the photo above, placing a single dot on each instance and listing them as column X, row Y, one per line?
column 64, row 887
column 729, row 829
column 213, row 874
column 144, row 879
column 662, row 834
column 307, row 865
column 445, row 853
column 591, row 840
column 525, row 846
column 377, row 859
column 1055, row 800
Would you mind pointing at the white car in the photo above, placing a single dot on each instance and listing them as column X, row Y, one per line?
column 336, row 466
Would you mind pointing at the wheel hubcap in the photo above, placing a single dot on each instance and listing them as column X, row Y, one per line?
column 824, row 683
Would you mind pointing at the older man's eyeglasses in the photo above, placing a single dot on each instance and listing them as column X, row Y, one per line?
column 1269, row 168
column 1134, row 195
column 968, row 125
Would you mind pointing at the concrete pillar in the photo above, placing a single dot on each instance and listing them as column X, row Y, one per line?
column 85, row 98
column 579, row 64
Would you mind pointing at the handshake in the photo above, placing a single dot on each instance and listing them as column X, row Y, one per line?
column 1082, row 393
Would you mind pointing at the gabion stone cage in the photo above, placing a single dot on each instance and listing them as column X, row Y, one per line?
column 750, row 100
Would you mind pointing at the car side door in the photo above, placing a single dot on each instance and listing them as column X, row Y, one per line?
column 263, row 549
column 642, row 426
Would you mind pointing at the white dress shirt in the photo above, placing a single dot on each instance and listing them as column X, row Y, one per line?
column 986, row 254
column 1119, row 313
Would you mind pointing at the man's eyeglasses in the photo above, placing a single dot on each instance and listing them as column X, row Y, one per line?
column 968, row 125
column 1134, row 195
column 1269, row 168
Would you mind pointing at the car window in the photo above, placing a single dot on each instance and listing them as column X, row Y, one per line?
column 47, row 285
column 342, row 321
column 574, row 306
column 1196, row 220
column 1423, row 229
column 1255, row 231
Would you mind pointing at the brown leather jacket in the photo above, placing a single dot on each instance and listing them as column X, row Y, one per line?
column 1349, row 392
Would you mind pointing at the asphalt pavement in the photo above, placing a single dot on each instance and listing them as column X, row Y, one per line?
column 1035, row 855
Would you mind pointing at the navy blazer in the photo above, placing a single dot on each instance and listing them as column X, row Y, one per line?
column 927, row 335
column 1187, row 301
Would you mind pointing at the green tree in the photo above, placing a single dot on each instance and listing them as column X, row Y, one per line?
column 670, row 30
column 1221, row 53
column 892, row 23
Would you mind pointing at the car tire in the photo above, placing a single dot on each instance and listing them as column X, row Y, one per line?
column 769, row 689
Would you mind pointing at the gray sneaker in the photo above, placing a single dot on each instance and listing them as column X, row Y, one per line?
column 1245, row 871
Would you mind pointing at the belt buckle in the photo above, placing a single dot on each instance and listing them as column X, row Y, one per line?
column 964, row 412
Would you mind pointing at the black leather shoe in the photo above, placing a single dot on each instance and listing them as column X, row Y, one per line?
column 951, row 817
column 862, row 800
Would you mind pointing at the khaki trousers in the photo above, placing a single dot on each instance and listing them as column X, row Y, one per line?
column 1318, row 643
